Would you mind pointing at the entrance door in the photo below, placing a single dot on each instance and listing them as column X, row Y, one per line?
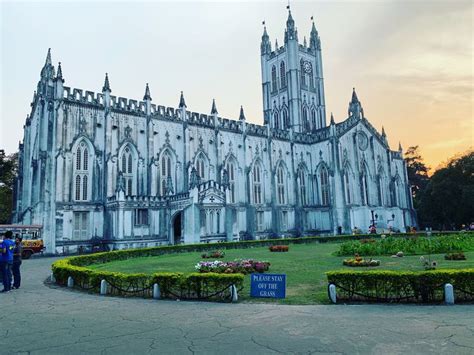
column 177, row 226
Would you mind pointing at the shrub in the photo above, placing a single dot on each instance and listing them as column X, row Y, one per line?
column 411, row 245
column 172, row 285
column 402, row 286
column 216, row 254
column 455, row 256
column 279, row 248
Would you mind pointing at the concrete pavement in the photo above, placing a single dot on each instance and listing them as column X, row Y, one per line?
column 40, row 319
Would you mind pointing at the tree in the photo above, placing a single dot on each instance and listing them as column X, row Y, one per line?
column 448, row 199
column 8, row 175
column 417, row 171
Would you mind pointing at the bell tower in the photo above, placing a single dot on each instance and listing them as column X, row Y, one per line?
column 292, row 81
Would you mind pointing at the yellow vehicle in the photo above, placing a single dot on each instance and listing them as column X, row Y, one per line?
column 32, row 242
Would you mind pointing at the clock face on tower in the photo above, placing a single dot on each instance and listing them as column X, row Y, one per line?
column 307, row 67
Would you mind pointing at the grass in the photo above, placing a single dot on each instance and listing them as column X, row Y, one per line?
column 305, row 266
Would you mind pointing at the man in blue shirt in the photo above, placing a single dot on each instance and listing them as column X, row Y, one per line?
column 7, row 247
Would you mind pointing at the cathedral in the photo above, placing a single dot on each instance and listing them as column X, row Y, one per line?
column 131, row 173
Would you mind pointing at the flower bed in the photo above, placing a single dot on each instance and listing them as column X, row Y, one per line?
column 455, row 256
column 358, row 261
column 232, row 267
column 216, row 254
column 279, row 248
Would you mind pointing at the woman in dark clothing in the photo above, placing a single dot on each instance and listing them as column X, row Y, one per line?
column 17, row 263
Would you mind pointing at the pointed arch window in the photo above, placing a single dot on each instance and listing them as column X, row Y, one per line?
column 274, row 79
column 127, row 171
column 82, row 173
column 283, row 74
column 303, row 76
column 381, row 189
column 306, row 124
column 364, row 189
column 347, row 186
column 165, row 172
column 257, row 184
column 276, row 119
column 302, row 187
column 200, row 168
column 231, row 173
column 314, row 119
column 324, row 186
column 285, row 118
column 281, row 185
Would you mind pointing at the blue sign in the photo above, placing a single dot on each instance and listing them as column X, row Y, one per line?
column 268, row 285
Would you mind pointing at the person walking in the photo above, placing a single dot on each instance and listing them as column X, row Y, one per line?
column 17, row 250
column 7, row 260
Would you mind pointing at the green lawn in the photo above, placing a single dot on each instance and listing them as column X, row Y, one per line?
column 304, row 265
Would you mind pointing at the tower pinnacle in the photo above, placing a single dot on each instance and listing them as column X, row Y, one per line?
column 214, row 108
column 59, row 75
column 265, row 46
column 182, row 103
column 241, row 115
column 48, row 70
column 106, row 86
column 147, row 93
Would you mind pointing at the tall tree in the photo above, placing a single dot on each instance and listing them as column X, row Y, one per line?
column 417, row 171
column 448, row 200
column 8, row 174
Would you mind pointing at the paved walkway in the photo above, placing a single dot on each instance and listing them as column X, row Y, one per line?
column 39, row 319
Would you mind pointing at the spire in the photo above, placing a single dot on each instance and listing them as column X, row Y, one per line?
column 304, row 41
column 241, row 115
column 314, row 41
column 182, row 103
column 383, row 132
column 214, row 108
column 265, row 46
column 147, row 93
column 48, row 58
column 400, row 147
column 48, row 70
column 355, row 107
column 106, row 86
column 59, row 75
column 276, row 44
column 354, row 96
column 332, row 119
column 290, row 32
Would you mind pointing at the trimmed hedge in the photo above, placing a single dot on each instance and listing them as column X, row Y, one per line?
column 173, row 285
column 402, row 286
column 414, row 245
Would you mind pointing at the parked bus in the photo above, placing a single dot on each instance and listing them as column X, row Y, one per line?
column 31, row 234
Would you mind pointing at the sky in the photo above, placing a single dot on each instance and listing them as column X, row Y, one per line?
column 411, row 62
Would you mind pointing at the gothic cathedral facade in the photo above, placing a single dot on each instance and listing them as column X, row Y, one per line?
column 129, row 173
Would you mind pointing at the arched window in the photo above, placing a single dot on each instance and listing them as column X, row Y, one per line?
column 347, row 186
column 276, row 120
column 302, row 182
column 381, row 189
column 231, row 173
column 281, row 185
column 257, row 184
column 285, row 119
column 200, row 168
column 274, row 79
column 165, row 172
column 283, row 74
column 313, row 119
column 364, row 189
column 82, row 173
column 324, row 185
column 127, row 171
column 305, row 119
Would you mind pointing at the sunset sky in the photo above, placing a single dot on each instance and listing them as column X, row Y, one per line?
column 410, row 61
